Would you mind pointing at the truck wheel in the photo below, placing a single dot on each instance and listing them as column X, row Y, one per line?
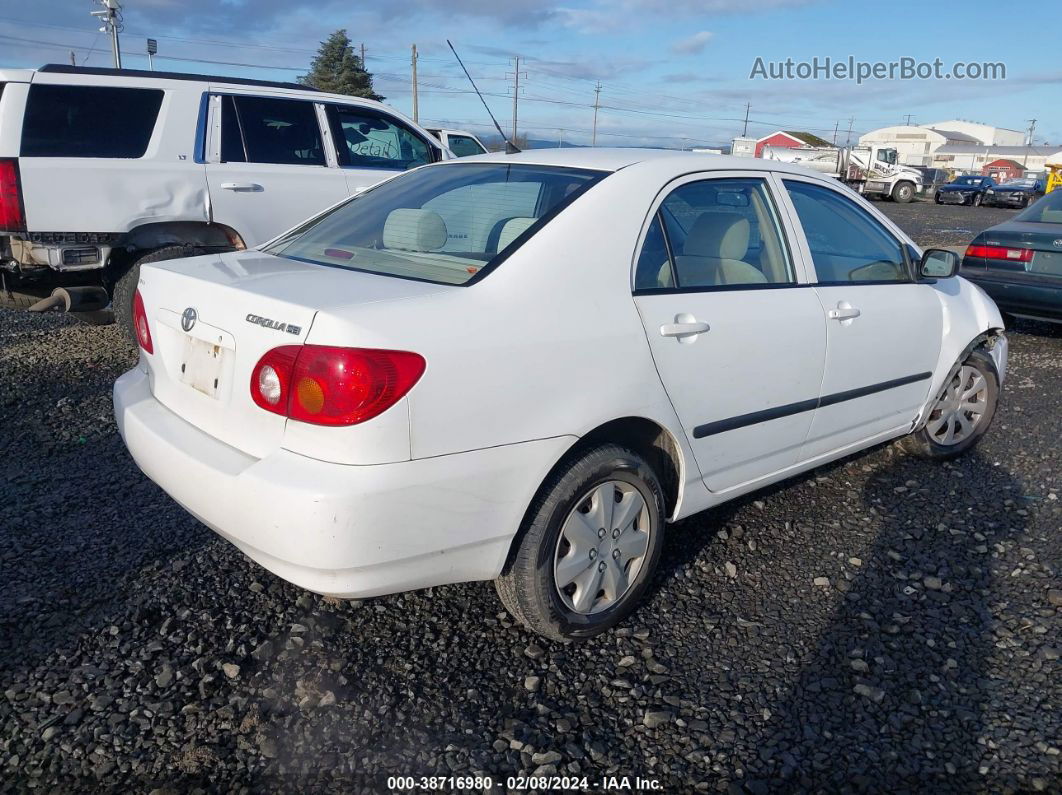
column 902, row 192
column 125, row 287
column 962, row 413
column 588, row 547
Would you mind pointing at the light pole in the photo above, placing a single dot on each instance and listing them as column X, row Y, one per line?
column 111, row 17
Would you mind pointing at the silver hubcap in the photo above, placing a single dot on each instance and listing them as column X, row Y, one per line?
column 602, row 547
column 960, row 407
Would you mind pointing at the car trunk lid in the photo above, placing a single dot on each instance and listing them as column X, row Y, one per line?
column 212, row 318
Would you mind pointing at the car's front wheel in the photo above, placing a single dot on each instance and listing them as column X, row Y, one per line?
column 588, row 547
column 937, row 198
column 962, row 413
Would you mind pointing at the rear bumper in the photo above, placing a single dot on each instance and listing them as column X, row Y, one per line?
column 1022, row 298
column 348, row 531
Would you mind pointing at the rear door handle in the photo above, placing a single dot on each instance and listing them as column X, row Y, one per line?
column 844, row 311
column 249, row 186
column 686, row 328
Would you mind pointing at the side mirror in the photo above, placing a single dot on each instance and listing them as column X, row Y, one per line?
column 939, row 263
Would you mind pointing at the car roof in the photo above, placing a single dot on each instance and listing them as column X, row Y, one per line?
column 668, row 161
column 102, row 71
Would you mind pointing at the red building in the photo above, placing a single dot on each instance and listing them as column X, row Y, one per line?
column 790, row 140
column 1000, row 170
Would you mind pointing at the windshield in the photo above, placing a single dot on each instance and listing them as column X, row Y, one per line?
column 441, row 224
column 975, row 181
column 1046, row 211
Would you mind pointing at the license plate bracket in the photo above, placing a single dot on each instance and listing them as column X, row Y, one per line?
column 201, row 366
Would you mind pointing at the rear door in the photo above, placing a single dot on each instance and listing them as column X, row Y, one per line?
column 269, row 164
column 372, row 145
column 884, row 329
column 738, row 338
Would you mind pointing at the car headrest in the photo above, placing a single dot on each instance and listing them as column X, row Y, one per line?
column 512, row 229
column 718, row 234
column 414, row 230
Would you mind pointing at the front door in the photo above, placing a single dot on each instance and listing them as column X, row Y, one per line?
column 883, row 328
column 269, row 167
column 738, row 338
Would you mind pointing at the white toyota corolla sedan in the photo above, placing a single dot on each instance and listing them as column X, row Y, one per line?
column 520, row 368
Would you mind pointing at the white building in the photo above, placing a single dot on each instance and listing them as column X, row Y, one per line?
column 918, row 145
column 972, row 158
column 743, row 147
column 983, row 133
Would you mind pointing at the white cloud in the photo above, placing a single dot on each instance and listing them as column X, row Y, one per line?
column 692, row 45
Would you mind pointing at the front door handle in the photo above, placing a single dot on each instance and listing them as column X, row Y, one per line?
column 247, row 186
column 686, row 328
column 844, row 311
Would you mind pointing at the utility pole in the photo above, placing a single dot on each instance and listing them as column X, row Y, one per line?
column 848, row 140
column 907, row 120
column 516, row 92
column 416, row 102
column 111, row 17
column 560, row 135
column 363, row 55
column 597, row 104
column 745, row 129
column 1032, row 128
column 73, row 59
column 836, row 124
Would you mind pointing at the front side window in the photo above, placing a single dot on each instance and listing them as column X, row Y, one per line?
column 464, row 145
column 368, row 139
column 847, row 244
column 89, row 121
column 266, row 130
column 441, row 224
column 722, row 233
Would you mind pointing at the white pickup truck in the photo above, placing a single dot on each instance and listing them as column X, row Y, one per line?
column 103, row 169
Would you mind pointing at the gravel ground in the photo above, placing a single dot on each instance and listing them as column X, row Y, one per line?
column 943, row 224
column 880, row 624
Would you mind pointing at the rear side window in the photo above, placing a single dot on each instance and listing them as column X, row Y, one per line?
column 89, row 121
column 464, row 145
column 366, row 139
column 263, row 130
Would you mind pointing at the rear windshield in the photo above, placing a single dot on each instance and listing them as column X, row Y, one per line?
column 1046, row 211
column 89, row 121
column 440, row 224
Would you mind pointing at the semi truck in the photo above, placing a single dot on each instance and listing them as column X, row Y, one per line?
column 870, row 170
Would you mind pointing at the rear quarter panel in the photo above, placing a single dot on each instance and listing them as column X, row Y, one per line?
column 78, row 194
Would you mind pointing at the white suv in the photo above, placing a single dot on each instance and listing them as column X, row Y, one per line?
column 103, row 169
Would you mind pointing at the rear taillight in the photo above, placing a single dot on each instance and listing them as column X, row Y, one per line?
column 12, row 212
column 140, row 324
column 1000, row 252
column 326, row 385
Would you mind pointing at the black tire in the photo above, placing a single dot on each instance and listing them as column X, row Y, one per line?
column 922, row 444
column 902, row 192
column 976, row 200
column 125, row 287
column 527, row 585
column 937, row 199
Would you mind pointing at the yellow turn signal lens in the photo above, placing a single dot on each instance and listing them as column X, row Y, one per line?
column 310, row 395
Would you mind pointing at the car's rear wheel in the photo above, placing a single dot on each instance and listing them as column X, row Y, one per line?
column 962, row 413
column 937, row 198
column 588, row 547
column 125, row 287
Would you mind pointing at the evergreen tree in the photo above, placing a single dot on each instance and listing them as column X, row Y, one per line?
column 338, row 70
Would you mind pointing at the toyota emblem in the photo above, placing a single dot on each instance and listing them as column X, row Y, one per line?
column 1058, row 242
column 188, row 318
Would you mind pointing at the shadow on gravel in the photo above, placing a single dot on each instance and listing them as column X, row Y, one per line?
column 892, row 697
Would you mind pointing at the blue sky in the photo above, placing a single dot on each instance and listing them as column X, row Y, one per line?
column 673, row 72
